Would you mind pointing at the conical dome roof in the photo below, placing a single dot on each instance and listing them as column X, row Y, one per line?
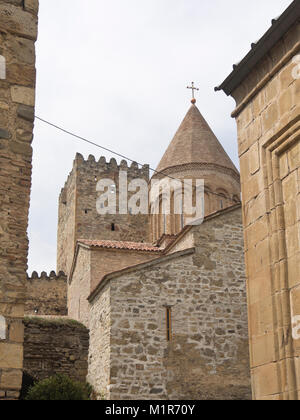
column 195, row 142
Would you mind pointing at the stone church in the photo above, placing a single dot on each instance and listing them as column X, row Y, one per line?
column 150, row 307
column 164, row 301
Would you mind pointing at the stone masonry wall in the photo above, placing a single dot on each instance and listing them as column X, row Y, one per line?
column 268, row 120
column 46, row 295
column 99, row 366
column 207, row 356
column 92, row 265
column 54, row 346
column 78, row 216
column 79, row 288
column 18, row 32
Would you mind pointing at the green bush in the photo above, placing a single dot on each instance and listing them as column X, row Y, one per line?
column 59, row 388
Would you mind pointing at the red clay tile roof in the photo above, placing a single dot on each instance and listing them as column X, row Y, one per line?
column 135, row 246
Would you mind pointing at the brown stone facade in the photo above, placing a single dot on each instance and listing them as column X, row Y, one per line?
column 78, row 216
column 268, row 120
column 18, row 32
column 203, row 352
column 90, row 266
column 53, row 346
column 46, row 295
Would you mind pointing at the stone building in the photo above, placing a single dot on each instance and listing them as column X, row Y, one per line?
column 266, row 87
column 164, row 301
column 18, row 32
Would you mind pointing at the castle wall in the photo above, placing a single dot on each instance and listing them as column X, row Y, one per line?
column 78, row 216
column 53, row 346
column 207, row 356
column 267, row 117
column 18, row 32
column 46, row 295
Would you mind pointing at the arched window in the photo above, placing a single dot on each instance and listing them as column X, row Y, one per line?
column 222, row 198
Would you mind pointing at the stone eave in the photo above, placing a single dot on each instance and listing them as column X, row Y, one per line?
column 278, row 29
column 137, row 267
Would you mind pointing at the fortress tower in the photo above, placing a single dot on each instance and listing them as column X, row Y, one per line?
column 78, row 217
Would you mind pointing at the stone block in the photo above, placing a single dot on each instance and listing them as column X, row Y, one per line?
column 21, row 74
column 259, row 104
column 294, row 270
column 21, row 148
column 17, row 21
column 11, row 356
column 270, row 117
column 254, row 158
column 23, row 95
column 283, row 165
column 285, row 102
column 266, row 381
column 259, row 286
column 4, row 134
column 253, row 187
column 294, row 159
column 255, row 208
column 32, row 6
column 263, row 349
column 16, row 332
column 261, row 317
column 271, row 90
column 26, row 112
column 286, row 77
column 11, row 379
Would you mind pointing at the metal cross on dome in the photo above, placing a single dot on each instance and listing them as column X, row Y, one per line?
column 193, row 92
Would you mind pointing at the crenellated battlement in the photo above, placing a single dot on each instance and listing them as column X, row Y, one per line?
column 46, row 294
column 78, row 215
column 102, row 165
column 44, row 276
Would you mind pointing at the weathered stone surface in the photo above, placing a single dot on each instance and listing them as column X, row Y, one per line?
column 17, row 35
column 11, row 356
column 207, row 357
column 78, row 216
column 54, row 346
column 270, row 189
column 26, row 112
column 4, row 134
column 17, row 21
column 47, row 295
column 23, row 95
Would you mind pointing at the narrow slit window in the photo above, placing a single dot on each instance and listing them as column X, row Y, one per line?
column 113, row 227
column 169, row 323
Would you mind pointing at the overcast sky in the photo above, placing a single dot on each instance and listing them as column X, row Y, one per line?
column 116, row 72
